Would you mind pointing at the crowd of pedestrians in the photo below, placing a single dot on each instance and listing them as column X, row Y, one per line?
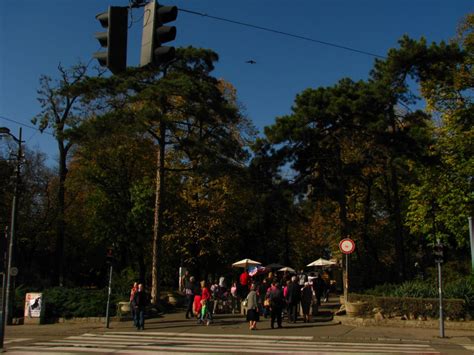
column 273, row 296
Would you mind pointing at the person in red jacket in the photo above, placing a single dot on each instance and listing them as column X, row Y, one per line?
column 244, row 284
column 132, row 294
column 206, row 316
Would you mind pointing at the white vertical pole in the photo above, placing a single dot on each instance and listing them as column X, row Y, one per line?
column 441, row 316
column 107, row 315
column 471, row 234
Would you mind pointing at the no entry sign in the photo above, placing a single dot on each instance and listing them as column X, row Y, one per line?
column 347, row 246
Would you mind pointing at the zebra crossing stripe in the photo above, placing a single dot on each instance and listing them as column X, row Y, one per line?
column 469, row 347
column 233, row 336
column 26, row 350
column 15, row 340
column 125, row 343
column 263, row 340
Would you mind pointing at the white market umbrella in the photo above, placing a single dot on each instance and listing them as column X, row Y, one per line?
column 322, row 262
column 287, row 268
column 246, row 263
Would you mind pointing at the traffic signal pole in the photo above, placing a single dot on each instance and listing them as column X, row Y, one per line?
column 440, row 290
column 471, row 235
column 439, row 258
column 4, row 291
column 107, row 314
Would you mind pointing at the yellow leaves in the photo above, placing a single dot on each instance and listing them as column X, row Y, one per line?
column 228, row 90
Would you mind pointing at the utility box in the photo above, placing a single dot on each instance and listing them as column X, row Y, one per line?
column 34, row 308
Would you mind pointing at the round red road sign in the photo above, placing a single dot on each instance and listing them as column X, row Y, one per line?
column 347, row 246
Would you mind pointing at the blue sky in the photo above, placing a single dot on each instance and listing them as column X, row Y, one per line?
column 37, row 35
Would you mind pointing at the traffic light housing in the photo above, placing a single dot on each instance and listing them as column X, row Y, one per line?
column 109, row 256
column 114, row 40
column 438, row 252
column 155, row 33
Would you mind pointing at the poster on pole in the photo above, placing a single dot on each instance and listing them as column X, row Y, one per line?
column 33, row 305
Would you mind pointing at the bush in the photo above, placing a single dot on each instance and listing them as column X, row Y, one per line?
column 409, row 306
column 460, row 288
column 76, row 302
column 62, row 302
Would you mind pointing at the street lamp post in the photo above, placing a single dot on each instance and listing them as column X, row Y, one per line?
column 7, row 275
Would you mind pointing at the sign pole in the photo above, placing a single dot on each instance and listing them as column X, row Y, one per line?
column 347, row 246
column 346, row 288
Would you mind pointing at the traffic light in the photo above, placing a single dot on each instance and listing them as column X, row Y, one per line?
column 115, row 20
column 155, row 33
column 438, row 252
column 109, row 256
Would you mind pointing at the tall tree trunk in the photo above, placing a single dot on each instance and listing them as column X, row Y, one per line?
column 341, row 196
column 372, row 261
column 287, row 244
column 158, row 216
column 399, row 242
column 369, row 245
column 60, row 223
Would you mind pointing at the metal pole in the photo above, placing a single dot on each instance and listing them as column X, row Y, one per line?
column 12, row 232
column 2, row 326
column 471, row 234
column 441, row 318
column 107, row 317
column 4, row 291
column 346, row 281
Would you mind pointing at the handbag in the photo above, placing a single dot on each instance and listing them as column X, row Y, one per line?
column 244, row 303
column 266, row 302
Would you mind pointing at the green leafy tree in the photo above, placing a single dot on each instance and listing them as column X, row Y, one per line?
column 186, row 114
column 60, row 111
column 442, row 201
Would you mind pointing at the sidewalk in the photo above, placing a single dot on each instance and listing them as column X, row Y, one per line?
column 325, row 327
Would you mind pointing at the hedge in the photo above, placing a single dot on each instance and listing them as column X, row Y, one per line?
column 63, row 302
column 454, row 309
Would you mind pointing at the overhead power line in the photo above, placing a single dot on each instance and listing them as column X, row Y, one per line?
column 24, row 125
column 282, row 33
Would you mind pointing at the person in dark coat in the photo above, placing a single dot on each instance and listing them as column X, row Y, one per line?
column 306, row 300
column 189, row 287
column 293, row 297
column 319, row 287
column 277, row 302
column 140, row 301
